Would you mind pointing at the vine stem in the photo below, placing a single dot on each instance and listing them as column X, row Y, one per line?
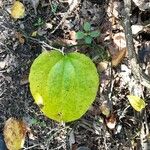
column 44, row 44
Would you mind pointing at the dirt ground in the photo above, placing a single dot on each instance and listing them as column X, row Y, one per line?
column 55, row 22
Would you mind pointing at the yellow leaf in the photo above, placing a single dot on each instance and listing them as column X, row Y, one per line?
column 34, row 34
column 14, row 134
column 118, row 57
column 136, row 102
column 17, row 10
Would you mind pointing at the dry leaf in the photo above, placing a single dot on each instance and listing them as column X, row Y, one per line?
column 20, row 37
column 17, row 10
column 102, row 66
column 34, row 34
column 72, row 35
column 136, row 28
column 136, row 102
column 118, row 57
column 142, row 4
column 14, row 134
column 111, row 121
column 120, row 40
column 114, row 9
column 48, row 25
column 105, row 109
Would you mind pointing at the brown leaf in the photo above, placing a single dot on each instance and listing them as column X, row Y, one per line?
column 111, row 121
column 14, row 133
column 120, row 40
column 20, row 37
column 102, row 66
column 74, row 146
column 118, row 57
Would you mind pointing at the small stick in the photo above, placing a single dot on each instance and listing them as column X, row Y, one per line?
column 71, row 7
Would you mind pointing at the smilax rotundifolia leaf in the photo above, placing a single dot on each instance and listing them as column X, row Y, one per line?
column 63, row 85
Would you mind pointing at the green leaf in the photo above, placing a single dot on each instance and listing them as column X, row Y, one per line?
column 64, row 85
column 136, row 102
column 39, row 22
column 94, row 34
column 88, row 39
column 87, row 26
column 80, row 35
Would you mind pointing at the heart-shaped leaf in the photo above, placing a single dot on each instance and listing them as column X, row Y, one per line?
column 63, row 85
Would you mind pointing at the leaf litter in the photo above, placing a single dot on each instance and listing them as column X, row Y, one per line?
column 92, row 130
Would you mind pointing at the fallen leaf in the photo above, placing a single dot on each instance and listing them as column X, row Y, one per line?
column 48, row 25
column 72, row 35
column 34, row 33
column 111, row 121
column 120, row 40
column 142, row 4
column 136, row 28
column 118, row 57
column 105, row 109
column 74, row 146
column 72, row 4
column 102, row 66
column 20, row 37
column 17, row 10
column 136, row 102
column 14, row 133
column 114, row 9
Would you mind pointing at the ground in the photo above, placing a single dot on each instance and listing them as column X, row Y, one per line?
column 53, row 24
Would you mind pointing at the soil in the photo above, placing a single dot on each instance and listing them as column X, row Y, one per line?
column 19, row 48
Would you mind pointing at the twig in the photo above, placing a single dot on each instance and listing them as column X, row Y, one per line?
column 110, row 103
column 135, row 67
column 71, row 7
column 144, row 133
column 31, row 147
column 44, row 44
